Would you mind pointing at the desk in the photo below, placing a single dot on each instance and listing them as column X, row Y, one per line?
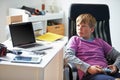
column 50, row 68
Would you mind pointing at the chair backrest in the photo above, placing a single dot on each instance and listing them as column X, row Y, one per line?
column 99, row 11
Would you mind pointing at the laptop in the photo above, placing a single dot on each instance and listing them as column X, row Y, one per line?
column 22, row 36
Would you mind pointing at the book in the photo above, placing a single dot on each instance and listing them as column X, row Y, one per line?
column 50, row 37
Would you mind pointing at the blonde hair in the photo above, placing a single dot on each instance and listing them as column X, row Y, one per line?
column 87, row 19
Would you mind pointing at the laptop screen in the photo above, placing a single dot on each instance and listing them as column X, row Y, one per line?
column 22, row 33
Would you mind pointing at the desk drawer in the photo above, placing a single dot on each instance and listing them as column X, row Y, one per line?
column 58, row 29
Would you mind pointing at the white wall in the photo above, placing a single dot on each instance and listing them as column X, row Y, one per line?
column 64, row 5
column 5, row 4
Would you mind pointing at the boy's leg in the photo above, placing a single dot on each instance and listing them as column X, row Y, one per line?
column 116, row 75
column 98, row 77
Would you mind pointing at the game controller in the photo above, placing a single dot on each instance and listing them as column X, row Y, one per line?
column 107, row 70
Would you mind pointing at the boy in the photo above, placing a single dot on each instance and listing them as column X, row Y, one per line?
column 88, row 53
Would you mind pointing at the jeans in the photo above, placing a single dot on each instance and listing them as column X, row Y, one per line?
column 101, row 76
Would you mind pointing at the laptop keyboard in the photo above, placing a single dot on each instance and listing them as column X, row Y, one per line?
column 39, row 48
column 31, row 45
column 36, row 47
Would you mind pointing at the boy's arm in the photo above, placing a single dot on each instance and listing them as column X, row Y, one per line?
column 115, row 56
column 70, row 57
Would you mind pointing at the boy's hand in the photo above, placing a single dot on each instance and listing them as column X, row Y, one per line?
column 113, row 68
column 94, row 69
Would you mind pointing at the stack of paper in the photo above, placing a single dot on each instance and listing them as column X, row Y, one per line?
column 49, row 37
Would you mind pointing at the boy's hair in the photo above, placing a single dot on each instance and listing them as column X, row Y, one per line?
column 87, row 19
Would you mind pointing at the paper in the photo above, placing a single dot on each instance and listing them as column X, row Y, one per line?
column 49, row 37
column 8, row 57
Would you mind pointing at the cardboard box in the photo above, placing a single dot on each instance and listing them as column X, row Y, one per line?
column 58, row 29
column 14, row 19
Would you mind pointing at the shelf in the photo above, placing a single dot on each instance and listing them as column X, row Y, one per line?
column 47, row 16
column 39, row 21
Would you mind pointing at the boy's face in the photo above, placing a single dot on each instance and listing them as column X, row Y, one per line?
column 84, row 30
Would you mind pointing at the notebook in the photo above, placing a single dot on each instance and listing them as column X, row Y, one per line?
column 22, row 36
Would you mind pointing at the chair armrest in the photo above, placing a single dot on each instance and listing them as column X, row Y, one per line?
column 70, row 72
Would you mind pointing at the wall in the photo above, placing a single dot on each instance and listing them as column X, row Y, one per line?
column 6, row 4
column 63, row 5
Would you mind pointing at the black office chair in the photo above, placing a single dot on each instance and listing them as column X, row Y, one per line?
column 101, row 13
